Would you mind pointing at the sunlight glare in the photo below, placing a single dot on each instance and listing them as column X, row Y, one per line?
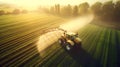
column 34, row 4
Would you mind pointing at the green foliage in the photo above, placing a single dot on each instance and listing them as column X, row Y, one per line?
column 108, row 8
column 96, row 8
column 83, row 8
column 117, row 11
column 107, row 11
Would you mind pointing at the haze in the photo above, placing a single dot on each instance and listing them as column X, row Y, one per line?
column 34, row 4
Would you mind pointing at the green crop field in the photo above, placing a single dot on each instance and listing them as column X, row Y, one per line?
column 19, row 34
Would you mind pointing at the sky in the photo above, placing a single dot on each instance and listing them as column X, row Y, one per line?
column 32, row 4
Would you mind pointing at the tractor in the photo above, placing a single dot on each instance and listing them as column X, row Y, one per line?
column 70, row 41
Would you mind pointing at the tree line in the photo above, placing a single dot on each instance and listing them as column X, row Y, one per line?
column 15, row 11
column 109, row 10
column 68, row 10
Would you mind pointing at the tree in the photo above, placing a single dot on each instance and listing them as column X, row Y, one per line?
column 117, row 11
column 66, row 10
column 108, row 10
column 83, row 8
column 16, row 11
column 24, row 11
column 69, row 9
column 75, row 10
column 2, row 12
column 57, row 9
column 96, row 8
column 7, row 13
column 52, row 10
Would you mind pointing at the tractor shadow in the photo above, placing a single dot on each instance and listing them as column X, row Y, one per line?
column 83, row 57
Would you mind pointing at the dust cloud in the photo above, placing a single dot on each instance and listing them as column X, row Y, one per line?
column 76, row 24
column 49, row 38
